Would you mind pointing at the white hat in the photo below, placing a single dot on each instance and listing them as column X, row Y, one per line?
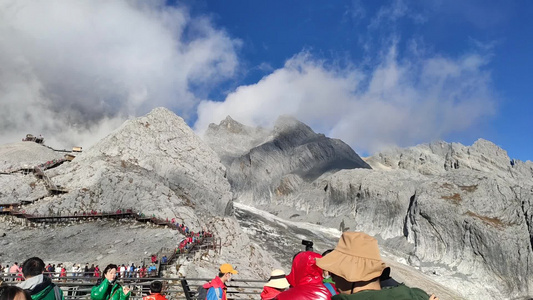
column 277, row 280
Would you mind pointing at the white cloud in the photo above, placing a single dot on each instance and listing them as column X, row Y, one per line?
column 398, row 102
column 389, row 14
column 355, row 11
column 81, row 67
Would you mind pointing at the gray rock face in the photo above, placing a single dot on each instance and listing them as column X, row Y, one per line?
column 461, row 211
column 439, row 157
column 154, row 164
column 163, row 145
column 231, row 139
column 15, row 188
column 20, row 154
column 292, row 153
column 474, row 223
column 461, row 223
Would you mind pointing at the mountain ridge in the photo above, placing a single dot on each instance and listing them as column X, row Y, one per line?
column 462, row 215
column 442, row 206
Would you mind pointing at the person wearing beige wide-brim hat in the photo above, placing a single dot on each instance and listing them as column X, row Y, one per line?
column 276, row 284
column 357, row 268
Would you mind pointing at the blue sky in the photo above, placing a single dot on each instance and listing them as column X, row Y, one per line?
column 339, row 31
column 375, row 74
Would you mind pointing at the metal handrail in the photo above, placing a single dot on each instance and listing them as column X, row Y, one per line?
column 237, row 288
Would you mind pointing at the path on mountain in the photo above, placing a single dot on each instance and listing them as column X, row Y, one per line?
column 191, row 243
column 38, row 171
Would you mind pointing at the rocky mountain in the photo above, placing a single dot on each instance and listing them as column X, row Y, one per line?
column 275, row 164
column 153, row 164
column 233, row 138
column 462, row 213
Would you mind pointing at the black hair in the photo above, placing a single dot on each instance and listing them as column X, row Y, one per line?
column 326, row 252
column 9, row 292
column 220, row 274
column 156, row 286
column 32, row 267
column 109, row 267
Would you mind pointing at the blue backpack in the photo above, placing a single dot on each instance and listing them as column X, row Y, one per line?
column 201, row 293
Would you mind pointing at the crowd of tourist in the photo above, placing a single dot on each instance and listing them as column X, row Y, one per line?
column 76, row 271
column 353, row 270
column 37, row 284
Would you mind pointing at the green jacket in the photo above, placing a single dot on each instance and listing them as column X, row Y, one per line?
column 41, row 288
column 107, row 291
column 47, row 294
column 400, row 292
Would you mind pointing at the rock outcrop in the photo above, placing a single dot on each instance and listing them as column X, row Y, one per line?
column 17, row 155
column 439, row 157
column 291, row 154
column 231, row 139
column 154, row 164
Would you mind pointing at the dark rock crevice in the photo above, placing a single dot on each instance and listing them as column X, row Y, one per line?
column 407, row 216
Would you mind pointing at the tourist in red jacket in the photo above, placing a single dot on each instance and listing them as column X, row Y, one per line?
column 305, row 279
column 276, row 284
column 155, row 291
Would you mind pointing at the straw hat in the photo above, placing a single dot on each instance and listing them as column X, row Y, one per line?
column 277, row 280
column 355, row 258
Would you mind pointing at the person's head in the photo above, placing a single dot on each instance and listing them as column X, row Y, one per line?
column 156, row 287
column 110, row 272
column 11, row 292
column 32, row 267
column 304, row 269
column 355, row 263
column 225, row 272
column 278, row 280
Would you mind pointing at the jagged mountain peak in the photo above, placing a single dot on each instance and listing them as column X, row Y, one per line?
column 287, row 123
column 159, row 126
column 230, row 139
column 286, row 156
column 440, row 156
column 164, row 148
column 231, row 126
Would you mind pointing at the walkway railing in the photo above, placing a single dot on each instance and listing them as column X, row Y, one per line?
column 78, row 287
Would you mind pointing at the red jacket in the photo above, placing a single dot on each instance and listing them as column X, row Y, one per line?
column 269, row 293
column 215, row 284
column 155, row 296
column 305, row 279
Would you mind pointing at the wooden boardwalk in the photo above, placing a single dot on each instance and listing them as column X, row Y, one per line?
column 206, row 242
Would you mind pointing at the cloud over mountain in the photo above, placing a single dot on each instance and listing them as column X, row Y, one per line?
column 82, row 67
column 394, row 102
